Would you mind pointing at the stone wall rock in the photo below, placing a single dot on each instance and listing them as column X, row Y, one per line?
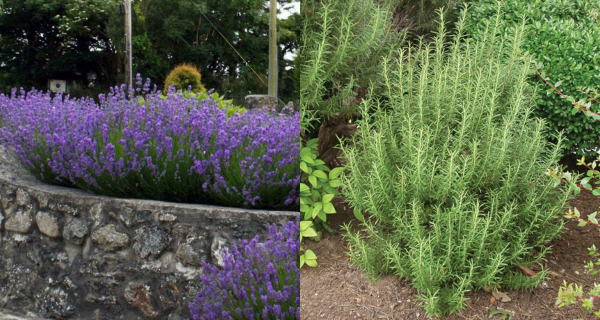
column 67, row 254
column 262, row 101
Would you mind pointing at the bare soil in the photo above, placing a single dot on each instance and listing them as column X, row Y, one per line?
column 338, row 290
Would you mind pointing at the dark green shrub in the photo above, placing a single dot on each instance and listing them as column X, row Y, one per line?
column 452, row 173
column 563, row 40
column 182, row 77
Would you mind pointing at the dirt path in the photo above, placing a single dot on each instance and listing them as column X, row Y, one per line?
column 338, row 290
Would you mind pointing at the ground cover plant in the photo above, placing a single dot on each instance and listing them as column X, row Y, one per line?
column 571, row 293
column 317, row 190
column 563, row 41
column 173, row 148
column 451, row 169
column 257, row 281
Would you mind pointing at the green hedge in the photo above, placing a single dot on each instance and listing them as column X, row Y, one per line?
column 564, row 41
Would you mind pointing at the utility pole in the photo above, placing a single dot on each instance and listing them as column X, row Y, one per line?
column 273, row 49
column 128, row 49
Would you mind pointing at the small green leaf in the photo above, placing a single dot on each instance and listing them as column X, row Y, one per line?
column 305, row 152
column 582, row 223
column 335, row 173
column 328, row 208
column 324, row 168
column 310, row 258
column 327, row 188
column 316, row 209
column 313, row 180
column 596, row 192
column 327, row 198
column 316, row 195
column 310, row 255
column 320, row 174
column 320, row 184
column 305, row 225
column 585, row 180
column 308, row 159
column 308, row 215
column 322, row 215
column 335, row 183
column 359, row 215
column 310, row 232
column 301, row 261
column 304, row 167
column 592, row 218
column 304, row 188
column 319, row 162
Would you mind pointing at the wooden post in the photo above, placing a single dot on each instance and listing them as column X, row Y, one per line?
column 273, row 49
column 128, row 48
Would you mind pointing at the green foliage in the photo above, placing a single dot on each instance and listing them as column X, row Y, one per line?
column 222, row 103
column 568, row 294
column 56, row 39
column 178, row 32
column 420, row 17
column 341, row 44
column 563, row 41
column 64, row 39
column 451, row 167
column 183, row 77
column 308, row 257
column 317, row 189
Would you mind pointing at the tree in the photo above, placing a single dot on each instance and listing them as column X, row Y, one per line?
column 168, row 32
column 56, row 39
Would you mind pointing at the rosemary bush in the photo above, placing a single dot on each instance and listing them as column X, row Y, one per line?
column 340, row 42
column 452, row 169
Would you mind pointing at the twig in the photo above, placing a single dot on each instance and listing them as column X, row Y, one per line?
column 372, row 313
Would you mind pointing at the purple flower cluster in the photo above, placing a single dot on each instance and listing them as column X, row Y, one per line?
column 257, row 281
column 172, row 148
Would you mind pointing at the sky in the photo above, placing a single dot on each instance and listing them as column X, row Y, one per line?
column 286, row 13
column 283, row 14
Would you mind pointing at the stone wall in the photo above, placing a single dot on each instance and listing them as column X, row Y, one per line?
column 67, row 254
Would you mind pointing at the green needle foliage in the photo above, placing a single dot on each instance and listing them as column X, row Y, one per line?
column 451, row 170
column 341, row 39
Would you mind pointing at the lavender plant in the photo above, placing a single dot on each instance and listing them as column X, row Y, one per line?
column 257, row 281
column 172, row 148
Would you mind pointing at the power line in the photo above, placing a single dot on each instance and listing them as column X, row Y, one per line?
column 229, row 43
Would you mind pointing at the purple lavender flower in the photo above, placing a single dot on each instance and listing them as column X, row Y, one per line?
column 172, row 148
column 257, row 281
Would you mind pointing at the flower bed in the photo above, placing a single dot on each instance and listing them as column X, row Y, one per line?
column 172, row 148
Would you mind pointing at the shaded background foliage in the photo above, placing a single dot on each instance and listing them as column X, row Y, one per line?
column 563, row 39
column 83, row 41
